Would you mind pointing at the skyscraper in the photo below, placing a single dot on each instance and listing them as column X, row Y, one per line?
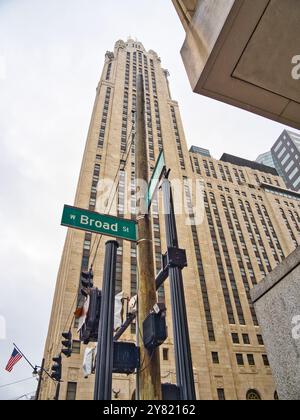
column 250, row 223
column 285, row 157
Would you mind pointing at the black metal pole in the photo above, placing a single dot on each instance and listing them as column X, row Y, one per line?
column 38, row 390
column 183, row 357
column 104, row 362
column 57, row 391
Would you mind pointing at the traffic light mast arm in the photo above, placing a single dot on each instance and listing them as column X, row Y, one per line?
column 45, row 371
column 130, row 318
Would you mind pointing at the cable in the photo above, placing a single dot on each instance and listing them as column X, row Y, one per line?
column 117, row 172
column 115, row 191
column 17, row 382
column 144, row 368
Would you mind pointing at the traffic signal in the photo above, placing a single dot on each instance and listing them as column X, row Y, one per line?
column 87, row 278
column 155, row 327
column 67, row 343
column 89, row 330
column 125, row 357
column 170, row 392
column 56, row 369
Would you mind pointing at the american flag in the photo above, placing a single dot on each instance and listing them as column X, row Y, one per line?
column 14, row 358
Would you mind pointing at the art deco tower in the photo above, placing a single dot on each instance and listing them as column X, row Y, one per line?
column 106, row 151
column 245, row 232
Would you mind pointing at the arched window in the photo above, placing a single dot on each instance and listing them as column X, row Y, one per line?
column 252, row 394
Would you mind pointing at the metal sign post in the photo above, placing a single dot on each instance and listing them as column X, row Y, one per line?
column 104, row 361
column 183, row 357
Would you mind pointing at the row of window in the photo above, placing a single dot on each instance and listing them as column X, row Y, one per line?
column 125, row 112
column 222, row 276
column 240, row 359
column 104, row 117
column 177, row 138
column 239, row 259
column 108, row 72
column 283, row 194
column 140, row 67
column 211, row 209
column 225, row 173
column 255, row 238
column 270, row 233
column 149, row 129
column 252, row 394
column 246, row 339
column 204, row 291
column 251, row 359
column 288, row 226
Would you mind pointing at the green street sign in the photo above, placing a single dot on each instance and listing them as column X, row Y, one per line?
column 91, row 221
column 156, row 177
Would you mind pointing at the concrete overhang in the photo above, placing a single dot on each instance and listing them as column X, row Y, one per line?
column 240, row 52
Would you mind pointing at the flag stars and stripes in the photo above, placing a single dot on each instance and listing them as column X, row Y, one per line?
column 14, row 359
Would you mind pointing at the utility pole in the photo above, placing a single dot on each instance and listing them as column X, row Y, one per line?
column 149, row 380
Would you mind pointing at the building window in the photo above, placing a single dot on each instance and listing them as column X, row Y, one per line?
column 293, row 174
column 278, row 146
column 165, row 354
column 215, row 358
column 76, row 347
column 260, row 340
column 246, row 339
column 240, row 359
column 252, row 394
column 265, row 360
column 71, row 391
column 281, row 153
column 235, row 338
column 251, row 360
column 108, row 71
column 284, row 161
column 221, row 394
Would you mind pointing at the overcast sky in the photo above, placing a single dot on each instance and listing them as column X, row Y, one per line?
column 51, row 57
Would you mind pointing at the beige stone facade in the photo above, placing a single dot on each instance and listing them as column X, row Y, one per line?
column 248, row 227
column 232, row 53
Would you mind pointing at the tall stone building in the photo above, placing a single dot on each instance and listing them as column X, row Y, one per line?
column 249, row 225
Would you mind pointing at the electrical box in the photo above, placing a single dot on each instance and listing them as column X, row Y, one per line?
column 125, row 357
column 154, row 330
column 170, row 392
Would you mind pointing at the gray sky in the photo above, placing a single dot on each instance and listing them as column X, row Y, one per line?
column 51, row 57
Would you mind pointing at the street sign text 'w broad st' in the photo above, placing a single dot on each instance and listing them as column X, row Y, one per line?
column 103, row 224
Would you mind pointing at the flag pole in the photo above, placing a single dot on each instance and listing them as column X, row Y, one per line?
column 33, row 367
